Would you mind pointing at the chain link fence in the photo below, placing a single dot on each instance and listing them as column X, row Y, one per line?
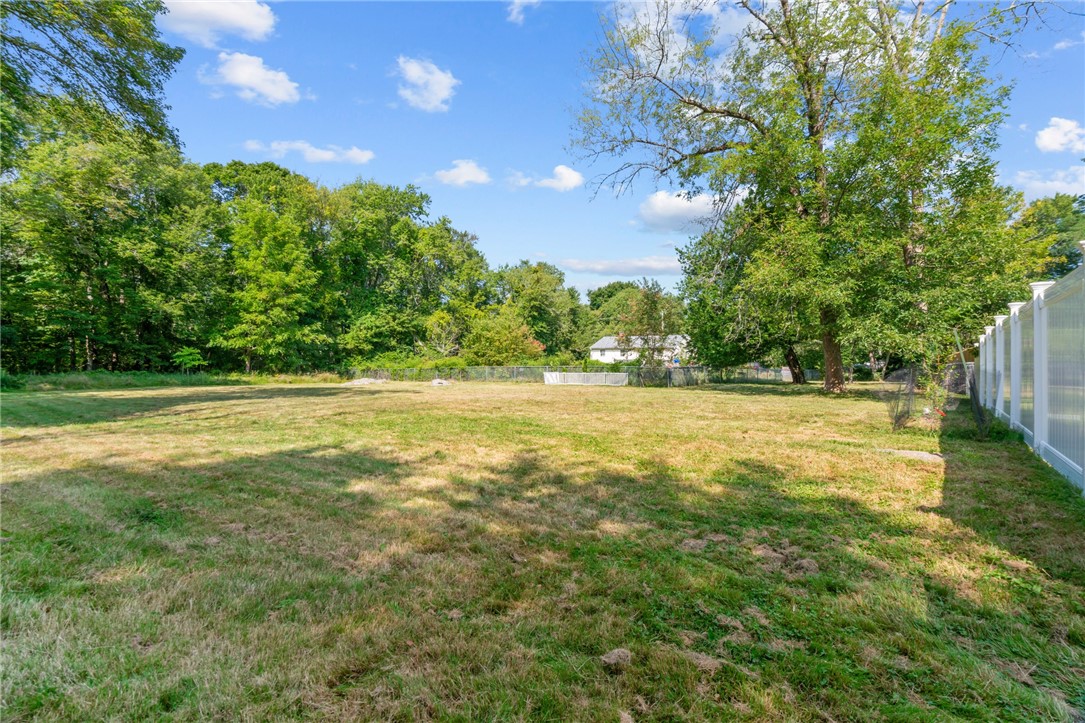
column 637, row 376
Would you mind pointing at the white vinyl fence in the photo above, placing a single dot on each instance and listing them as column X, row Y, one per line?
column 1032, row 371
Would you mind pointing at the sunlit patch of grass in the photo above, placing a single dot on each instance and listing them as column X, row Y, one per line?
column 408, row 552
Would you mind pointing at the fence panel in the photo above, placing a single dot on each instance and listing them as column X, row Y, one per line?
column 1028, row 355
column 1066, row 374
column 1006, row 366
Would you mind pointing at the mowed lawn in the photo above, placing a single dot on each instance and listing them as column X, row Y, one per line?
column 409, row 552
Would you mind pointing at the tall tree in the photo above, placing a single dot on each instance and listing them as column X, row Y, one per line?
column 276, row 231
column 600, row 296
column 275, row 284
column 104, row 57
column 1058, row 223
column 537, row 292
column 391, row 270
column 651, row 317
column 837, row 130
column 105, row 263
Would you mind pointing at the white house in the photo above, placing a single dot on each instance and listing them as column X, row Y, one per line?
column 609, row 350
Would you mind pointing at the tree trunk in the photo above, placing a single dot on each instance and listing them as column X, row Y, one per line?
column 89, row 361
column 830, row 347
column 797, row 375
column 248, row 363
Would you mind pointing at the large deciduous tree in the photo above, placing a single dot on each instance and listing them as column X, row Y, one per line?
column 538, row 294
column 848, row 141
column 1058, row 223
column 103, row 57
column 107, row 262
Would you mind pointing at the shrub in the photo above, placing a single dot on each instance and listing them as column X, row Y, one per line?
column 11, row 381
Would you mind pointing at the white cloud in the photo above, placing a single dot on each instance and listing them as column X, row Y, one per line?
column 1067, row 44
column 1061, row 134
column 516, row 10
column 311, row 153
column 205, row 22
column 563, row 179
column 427, row 87
column 519, row 180
column 643, row 266
column 1038, row 184
column 666, row 212
column 463, row 173
column 253, row 81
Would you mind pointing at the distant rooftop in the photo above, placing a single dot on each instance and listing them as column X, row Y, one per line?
column 611, row 342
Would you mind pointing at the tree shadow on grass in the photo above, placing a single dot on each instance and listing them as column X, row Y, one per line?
column 1012, row 498
column 423, row 584
column 48, row 409
column 780, row 389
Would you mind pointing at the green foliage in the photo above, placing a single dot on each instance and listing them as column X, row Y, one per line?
column 189, row 358
column 105, row 59
column 117, row 255
column 276, row 285
column 501, row 339
column 1057, row 223
column 75, row 381
column 649, row 318
column 849, row 152
column 597, row 298
column 11, row 381
column 537, row 295
column 108, row 260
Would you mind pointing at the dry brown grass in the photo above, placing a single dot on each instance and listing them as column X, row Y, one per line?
column 468, row 552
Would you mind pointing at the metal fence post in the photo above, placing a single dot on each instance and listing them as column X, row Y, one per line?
column 1039, row 371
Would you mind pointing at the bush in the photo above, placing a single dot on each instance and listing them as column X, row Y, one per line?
column 862, row 373
column 10, row 381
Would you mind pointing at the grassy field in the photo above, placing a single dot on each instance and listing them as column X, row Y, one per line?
column 408, row 552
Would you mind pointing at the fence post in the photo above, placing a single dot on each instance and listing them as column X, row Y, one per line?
column 980, row 371
column 989, row 366
column 1015, row 364
column 1039, row 368
column 1000, row 362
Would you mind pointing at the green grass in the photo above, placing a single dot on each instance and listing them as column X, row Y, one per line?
column 408, row 552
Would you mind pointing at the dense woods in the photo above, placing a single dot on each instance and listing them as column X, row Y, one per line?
column 115, row 257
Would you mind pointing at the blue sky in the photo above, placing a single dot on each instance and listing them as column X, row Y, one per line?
column 474, row 103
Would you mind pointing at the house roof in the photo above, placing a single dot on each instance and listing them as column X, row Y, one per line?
column 673, row 341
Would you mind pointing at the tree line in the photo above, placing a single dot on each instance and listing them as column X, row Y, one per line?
column 116, row 256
